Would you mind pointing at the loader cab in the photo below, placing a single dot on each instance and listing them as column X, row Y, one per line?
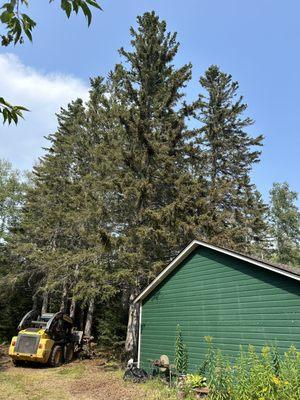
column 59, row 328
column 56, row 325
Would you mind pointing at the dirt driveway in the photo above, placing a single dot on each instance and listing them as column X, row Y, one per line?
column 79, row 380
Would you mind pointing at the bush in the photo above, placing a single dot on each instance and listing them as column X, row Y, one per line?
column 195, row 381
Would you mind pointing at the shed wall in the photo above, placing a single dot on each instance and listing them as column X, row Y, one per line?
column 212, row 294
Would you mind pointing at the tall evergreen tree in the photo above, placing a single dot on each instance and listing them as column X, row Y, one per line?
column 285, row 224
column 235, row 209
column 63, row 238
column 153, row 178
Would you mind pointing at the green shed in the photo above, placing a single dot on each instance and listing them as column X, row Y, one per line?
column 213, row 291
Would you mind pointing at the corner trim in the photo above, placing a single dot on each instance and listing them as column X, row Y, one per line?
column 140, row 337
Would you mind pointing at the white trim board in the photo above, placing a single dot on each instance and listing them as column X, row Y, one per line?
column 140, row 337
column 192, row 246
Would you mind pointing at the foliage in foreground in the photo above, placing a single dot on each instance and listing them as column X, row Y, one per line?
column 255, row 376
column 252, row 375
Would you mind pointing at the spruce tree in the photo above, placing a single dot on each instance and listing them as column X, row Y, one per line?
column 63, row 236
column 153, row 133
column 227, row 153
column 153, row 176
column 284, row 224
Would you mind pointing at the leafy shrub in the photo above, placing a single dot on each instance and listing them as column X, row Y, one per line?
column 188, row 384
column 195, row 380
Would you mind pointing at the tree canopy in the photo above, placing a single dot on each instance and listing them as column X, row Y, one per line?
column 284, row 224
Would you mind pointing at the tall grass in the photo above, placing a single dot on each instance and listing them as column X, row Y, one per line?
column 253, row 375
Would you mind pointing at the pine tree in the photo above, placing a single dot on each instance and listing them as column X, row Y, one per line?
column 227, row 153
column 153, row 175
column 284, row 224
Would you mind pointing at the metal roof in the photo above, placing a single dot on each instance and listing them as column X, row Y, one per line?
column 290, row 272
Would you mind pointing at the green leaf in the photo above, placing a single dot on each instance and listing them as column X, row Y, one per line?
column 94, row 4
column 21, row 108
column 11, row 113
column 14, row 117
column 9, row 7
column 28, row 34
column 87, row 12
column 6, row 17
column 2, row 101
column 17, row 30
column 75, row 6
column 66, row 6
column 28, row 20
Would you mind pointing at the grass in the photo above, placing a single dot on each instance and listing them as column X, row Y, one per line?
column 81, row 380
column 157, row 390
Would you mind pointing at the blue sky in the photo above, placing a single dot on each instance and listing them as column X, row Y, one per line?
column 257, row 41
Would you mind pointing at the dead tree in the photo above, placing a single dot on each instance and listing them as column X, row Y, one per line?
column 131, row 343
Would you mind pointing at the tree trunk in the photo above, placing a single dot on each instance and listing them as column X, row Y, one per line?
column 73, row 301
column 89, row 318
column 131, row 343
column 81, row 319
column 72, row 308
column 35, row 302
column 64, row 300
column 45, row 302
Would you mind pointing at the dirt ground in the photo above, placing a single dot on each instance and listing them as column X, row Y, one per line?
column 79, row 380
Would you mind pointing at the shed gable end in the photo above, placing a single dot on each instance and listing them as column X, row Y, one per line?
column 212, row 294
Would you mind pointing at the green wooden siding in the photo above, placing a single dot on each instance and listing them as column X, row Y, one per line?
column 212, row 294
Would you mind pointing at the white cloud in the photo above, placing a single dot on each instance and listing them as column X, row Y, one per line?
column 43, row 94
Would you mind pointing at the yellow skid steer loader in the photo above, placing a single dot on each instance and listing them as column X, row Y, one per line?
column 48, row 339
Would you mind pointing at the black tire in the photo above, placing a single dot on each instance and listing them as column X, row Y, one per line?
column 18, row 363
column 55, row 359
column 69, row 353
